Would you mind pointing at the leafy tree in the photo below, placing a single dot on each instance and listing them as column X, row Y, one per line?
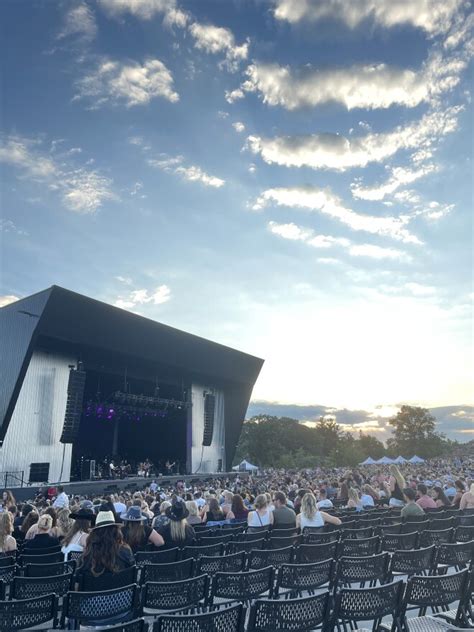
column 414, row 432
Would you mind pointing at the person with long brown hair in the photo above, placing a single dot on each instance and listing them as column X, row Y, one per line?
column 238, row 511
column 105, row 552
column 8, row 500
column 76, row 538
column 137, row 534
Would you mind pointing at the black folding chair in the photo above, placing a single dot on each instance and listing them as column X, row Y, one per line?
column 429, row 537
column 294, row 579
column 106, row 607
column 270, row 557
column 108, row 581
column 137, row 625
column 231, row 563
column 50, row 558
column 436, row 592
column 173, row 571
column 399, row 542
column 156, row 557
column 415, row 562
column 457, row 555
column 243, row 586
column 47, row 570
column 464, row 534
column 308, row 553
column 28, row 613
column 221, row 538
column 245, row 546
column 199, row 551
column 30, row 587
column 300, row 615
column 358, row 570
column 229, row 619
column 367, row 604
column 358, row 547
column 186, row 593
column 357, row 534
column 320, row 537
column 281, row 543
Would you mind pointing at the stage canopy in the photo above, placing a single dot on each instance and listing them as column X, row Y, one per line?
column 368, row 461
column 416, row 459
column 400, row 460
column 385, row 460
column 245, row 466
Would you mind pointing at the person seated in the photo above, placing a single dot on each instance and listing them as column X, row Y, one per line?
column 76, row 538
column 324, row 502
column 212, row 512
column 440, row 497
column 32, row 531
column 238, row 511
column 194, row 517
column 311, row 516
column 177, row 532
column 261, row 516
column 42, row 539
column 411, row 508
column 283, row 517
column 424, row 501
column 7, row 541
column 106, row 552
column 136, row 533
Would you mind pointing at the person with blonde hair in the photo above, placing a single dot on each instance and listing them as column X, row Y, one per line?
column 354, row 501
column 261, row 516
column 311, row 516
column 194, row 517
column 177, row 532
column 467, row 499
column 396, row 485
column 161, row 519
column 7, row 541
column 42, row 539
column 64, row 523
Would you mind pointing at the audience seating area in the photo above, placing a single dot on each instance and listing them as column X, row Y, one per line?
column 408, row 576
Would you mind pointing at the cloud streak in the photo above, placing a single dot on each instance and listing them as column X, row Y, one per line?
column 191, row 173
column 215, row 39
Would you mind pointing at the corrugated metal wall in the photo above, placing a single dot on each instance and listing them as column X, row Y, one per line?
column 37, row 421
column 204, row 459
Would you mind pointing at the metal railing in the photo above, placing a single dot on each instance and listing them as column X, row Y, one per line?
column 12, row 479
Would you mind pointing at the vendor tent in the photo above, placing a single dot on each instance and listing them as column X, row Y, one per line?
column 400, row 460
column 385, row 460
column 368, row 461
column 416, row 459
column 245, row 466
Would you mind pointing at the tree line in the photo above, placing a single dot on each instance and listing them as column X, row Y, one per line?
column 282, row 442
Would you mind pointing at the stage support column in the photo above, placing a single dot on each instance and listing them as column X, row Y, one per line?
column 115, row 437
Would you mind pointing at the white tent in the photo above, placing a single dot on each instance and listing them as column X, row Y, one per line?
column 385, row 460
column 368, row 461
column 400, row 460
column 245, row 466
column 416, row 459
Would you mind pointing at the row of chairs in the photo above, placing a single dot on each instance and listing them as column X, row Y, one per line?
column 193, row 606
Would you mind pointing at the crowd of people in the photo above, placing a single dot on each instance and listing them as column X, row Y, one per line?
column 107, row 530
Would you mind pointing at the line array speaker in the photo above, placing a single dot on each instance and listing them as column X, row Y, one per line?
column 75, row 396
column 209, row 409
column 39, row 472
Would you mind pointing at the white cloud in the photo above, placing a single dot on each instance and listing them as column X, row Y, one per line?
column 239, row 127
column 7, row 299
column 7, row 226
column 160, row 295
column 192, row 173
column 129, row 84
column 400, row 176
column 79, row 21
column 324, row 201
column 361, row 86
column 332, row 151
column 216, row 39
column 125, row 280
column 294, row 232
column 82, row 190
column 432, row 16
column 234, row 95
column 252, row 167
column 420, row 290
column 222, row 114
column 147, row 9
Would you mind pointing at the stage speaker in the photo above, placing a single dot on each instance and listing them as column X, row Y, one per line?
column 39, row 472
column 219, row 465
column 75, row 395
column 209, row 408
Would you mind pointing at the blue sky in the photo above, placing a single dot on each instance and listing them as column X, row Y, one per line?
column 289, row 177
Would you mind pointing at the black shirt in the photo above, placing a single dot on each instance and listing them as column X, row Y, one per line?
column 41, row 541
column 124, row 560
column 165, row 532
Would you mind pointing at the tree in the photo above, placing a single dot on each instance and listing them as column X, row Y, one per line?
column 414, row 432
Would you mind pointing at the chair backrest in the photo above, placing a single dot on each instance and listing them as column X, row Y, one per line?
column 198, row 551
column 29, row 587
column 137, row 625
column 299, row 577
column 280, row 543
column 230, row 619
column 273, row 557
column 390, row 529
column 173, row 571
column 282, row 532
column 412, row 562
column 307, row 553
column 47, row 570
column 230, row 563
column 320, row 537
column 175, row 595
column 455, row 554
column 50, row 558
column 107, row 581
column 215, row 539
column 360, row 533
column 443, row 536
column 7, row 573
column 441, row 523
column 363, row 547
column 351, row 570
column 242, row 586
column 96, row 608
column 435, row 590
column 74, row 556
column 28, row 613
column 253, row 535
column 7, row 559
column 156, row 557
column 412, row 525
column 48, row 550
column 402, row 541
column 237, row 546
column 367, row 604
column 304, row 613
column 464, row 534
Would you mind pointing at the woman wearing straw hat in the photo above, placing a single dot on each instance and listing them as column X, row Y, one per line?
column 137, row 534
column 105, row 552
column 177, row 532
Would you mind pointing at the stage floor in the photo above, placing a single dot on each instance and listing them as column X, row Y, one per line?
column 109, row 486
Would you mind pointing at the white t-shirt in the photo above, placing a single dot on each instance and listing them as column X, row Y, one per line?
column 367, row 500
column 120, row 508
column 200, row 502
column 61, row 501
column 259, row 520
column 316, row 521
column 325, row 504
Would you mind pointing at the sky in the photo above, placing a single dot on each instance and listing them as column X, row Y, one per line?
column 292, row 178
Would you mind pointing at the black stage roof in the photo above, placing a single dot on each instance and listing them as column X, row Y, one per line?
column 102, row 335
